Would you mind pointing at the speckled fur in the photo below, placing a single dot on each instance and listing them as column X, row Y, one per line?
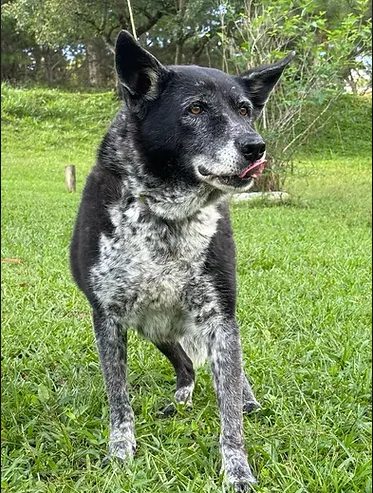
column 148, row 270
column 153, row 246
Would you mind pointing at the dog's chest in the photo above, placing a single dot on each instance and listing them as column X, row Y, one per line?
column 146, row 268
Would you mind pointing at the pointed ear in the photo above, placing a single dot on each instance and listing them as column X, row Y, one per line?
column 138, row 70
column 259, row 82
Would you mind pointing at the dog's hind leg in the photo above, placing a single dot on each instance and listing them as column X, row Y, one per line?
column 112, row 348
column 184, row 373
column 249, row 401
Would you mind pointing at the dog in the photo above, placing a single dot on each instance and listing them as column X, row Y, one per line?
column 152, row 247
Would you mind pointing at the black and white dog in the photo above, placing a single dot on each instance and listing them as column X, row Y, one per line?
column 153, row 247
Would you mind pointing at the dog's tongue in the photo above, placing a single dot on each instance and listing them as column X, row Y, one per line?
column 255, row 169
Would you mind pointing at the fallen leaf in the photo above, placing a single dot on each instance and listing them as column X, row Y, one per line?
column 43, row 393
column 11, row 261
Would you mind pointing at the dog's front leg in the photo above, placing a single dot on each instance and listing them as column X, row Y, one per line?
column 112, row 347
column 226, row 365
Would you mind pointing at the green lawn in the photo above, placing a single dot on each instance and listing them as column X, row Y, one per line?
column 304, row 307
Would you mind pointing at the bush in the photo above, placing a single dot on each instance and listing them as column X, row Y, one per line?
column 316, row 78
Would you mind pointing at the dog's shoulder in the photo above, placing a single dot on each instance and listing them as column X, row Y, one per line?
column 101, row 191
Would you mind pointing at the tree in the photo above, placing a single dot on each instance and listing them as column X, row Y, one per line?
column 186, row 33
column 55, row 22
column 17, row 47
column 264, row 31
column 60, row 24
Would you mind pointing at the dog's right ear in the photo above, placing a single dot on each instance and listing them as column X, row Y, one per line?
column 138, row 70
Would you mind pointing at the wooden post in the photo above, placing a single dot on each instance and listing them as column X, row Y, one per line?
column 70, row 178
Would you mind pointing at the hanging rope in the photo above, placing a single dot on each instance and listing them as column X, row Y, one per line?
column 131, row 17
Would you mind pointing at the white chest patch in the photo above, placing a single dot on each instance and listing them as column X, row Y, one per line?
column 147, row 268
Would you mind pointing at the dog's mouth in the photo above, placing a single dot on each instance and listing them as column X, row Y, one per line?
column 239, row 180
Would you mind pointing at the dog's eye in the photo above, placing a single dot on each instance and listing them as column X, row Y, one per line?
column 195, row 109
column 243, row 111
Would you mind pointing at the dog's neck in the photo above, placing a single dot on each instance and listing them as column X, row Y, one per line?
column 170, row 202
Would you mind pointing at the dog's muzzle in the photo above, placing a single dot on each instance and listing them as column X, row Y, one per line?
column 240, row 180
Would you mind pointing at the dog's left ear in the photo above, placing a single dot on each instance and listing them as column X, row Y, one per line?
column 260, row 81
column 138, row 70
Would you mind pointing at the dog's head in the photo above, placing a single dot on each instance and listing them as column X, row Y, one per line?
column 195, row 124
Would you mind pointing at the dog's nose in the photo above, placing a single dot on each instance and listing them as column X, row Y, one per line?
column 253, row 148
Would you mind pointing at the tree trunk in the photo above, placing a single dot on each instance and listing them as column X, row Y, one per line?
column 93, row 58
column 198, row 49
column 46, row 60
column 179, row 51
column 352, row 83
column 180, row 34
column 37, row 52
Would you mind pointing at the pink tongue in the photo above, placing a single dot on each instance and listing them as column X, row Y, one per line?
column 256, row 165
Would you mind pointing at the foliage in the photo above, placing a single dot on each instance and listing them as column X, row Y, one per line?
column 16, row 46
column 269, row 30
column 76, row 26
column 187, row 31
column 55, row 22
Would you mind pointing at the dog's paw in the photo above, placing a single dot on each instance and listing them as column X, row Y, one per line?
column 122, row 450
column 238, row 472
column 169, row 411
column 243, row 487
column 250, row 406
column 183, row 395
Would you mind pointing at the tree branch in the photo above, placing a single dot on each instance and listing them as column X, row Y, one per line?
column 152, row 20
column 200, row 46
column 107, row 38
column 297, row 137
column 124, row 20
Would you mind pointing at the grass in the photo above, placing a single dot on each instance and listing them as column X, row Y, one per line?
column 304, row 307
